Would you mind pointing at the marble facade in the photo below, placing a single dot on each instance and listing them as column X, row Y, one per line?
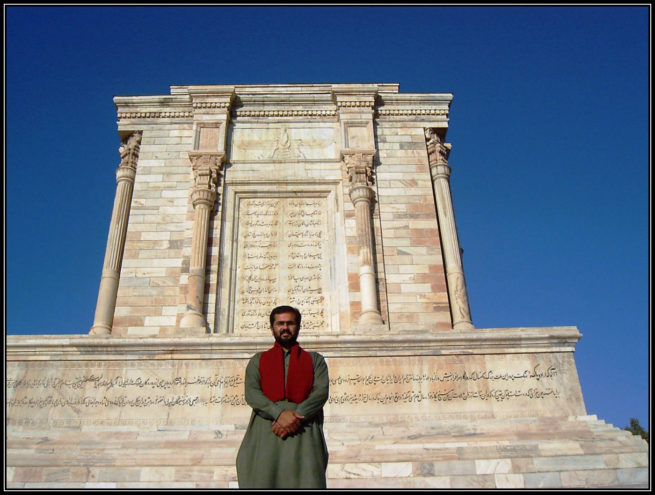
column 333, row 198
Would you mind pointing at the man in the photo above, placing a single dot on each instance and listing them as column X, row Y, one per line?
column 286, row 387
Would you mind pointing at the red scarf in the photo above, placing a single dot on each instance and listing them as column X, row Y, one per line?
column 300, row 376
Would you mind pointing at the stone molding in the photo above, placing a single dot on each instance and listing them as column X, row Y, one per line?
column 384, row 111
column 284, row 112
column 154, row 115
column 215, row 346
column 367, row 102
column 211, row 104
column 279, row 101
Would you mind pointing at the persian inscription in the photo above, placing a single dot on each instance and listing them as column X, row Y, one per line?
column 282, row 258
column 201, row 391
column 92, row 390
column 368, row 386
column 100, row 391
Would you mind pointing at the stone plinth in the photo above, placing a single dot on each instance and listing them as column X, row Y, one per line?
column 488, row 408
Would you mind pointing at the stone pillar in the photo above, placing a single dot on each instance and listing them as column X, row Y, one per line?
column 359, row 167
column 111, row 268
column 206, row 171
column 438, row 152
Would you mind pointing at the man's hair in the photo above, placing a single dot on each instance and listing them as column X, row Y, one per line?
column 285, row 309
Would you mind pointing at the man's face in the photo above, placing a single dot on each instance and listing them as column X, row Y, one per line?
column 285, row 329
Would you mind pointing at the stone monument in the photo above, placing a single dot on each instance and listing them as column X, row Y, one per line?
column 334, row 198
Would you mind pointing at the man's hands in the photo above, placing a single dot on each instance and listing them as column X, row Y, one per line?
column 287, row 423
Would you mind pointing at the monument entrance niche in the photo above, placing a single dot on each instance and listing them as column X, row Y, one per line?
column 335, row 199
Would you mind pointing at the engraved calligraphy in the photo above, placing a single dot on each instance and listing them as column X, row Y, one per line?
column 282, row 259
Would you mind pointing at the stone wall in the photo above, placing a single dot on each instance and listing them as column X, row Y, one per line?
column 336, row 145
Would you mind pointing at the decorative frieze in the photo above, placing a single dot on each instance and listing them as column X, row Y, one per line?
column 211, row 104
column 356, row 103
column 411, row 111
column 357, row 98
column 284, row 112
column 154, row 115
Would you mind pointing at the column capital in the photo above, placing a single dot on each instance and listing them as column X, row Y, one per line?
column 206, row 166
column 129, row 151
column 358, row 165
column 438, row 149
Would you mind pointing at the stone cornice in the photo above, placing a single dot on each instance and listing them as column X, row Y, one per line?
column 415, row 104
column 276, row 105
column 214, row 346
column 287, row 101
column 211, row 99
column 153, row 107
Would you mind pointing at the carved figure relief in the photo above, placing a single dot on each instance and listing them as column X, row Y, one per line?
column 283, row 143
column 285, row 149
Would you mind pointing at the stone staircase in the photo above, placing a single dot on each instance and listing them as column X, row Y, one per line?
column 379, row 452
column 517, row 453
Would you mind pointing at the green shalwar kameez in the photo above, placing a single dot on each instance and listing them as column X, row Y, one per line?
column 300, row 460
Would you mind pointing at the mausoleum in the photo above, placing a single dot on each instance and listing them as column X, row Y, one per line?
column 335, row 199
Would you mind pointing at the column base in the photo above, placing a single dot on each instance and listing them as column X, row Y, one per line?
column 463, row 325
column 370, row 317
column 193, row 319
column 100, row 331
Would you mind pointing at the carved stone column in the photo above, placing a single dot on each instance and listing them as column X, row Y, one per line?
column 359, row 167
column 206, row 171
column 438, row 152
column 104, row 316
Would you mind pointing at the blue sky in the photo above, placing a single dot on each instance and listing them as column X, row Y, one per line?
column 550, row 162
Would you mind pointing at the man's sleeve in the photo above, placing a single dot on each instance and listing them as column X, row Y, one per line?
column 320, row 392
column 255, row 398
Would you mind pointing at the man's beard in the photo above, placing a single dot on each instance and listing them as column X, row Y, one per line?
column 286, row 341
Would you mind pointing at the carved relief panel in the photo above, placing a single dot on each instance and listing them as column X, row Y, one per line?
column 283, row 142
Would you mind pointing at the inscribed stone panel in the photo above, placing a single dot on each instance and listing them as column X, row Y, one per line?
column 281, row 259
column 206, row 391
